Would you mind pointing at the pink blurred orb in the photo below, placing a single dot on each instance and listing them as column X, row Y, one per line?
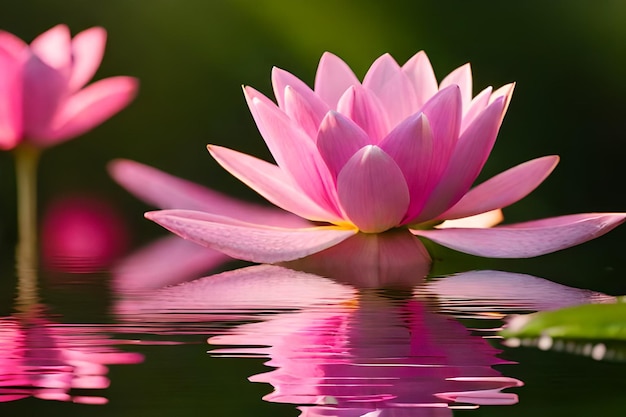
column 82, row 234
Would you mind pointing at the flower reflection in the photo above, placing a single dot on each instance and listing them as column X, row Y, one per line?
column 51, row 361
column 373, row 353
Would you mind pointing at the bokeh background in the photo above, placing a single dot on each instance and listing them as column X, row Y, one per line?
column 568, row 58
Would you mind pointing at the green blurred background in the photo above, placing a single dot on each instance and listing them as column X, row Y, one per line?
column 192, row 56
column 568, row 58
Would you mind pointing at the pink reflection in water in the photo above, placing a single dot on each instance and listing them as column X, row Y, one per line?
column 48, row 360
column 373, row 356
column 82, row 234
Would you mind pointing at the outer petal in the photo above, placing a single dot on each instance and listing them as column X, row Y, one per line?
column 482, row 220
column 282, row 79
column 293, row 151
column 10, row 101
column 167, row 261
column 249, row 241
column 478, row 104
column 338, row 139
column 411, row 146
column 168, row 192
column 13, row 45
column 91, row 106
column 468, row 158
column 333, row 78
column 528, row 239
column 308, row 114
column 392, row 87
column 271, row 182
column 87, row 52
column 372, row 190
column 422, row 77
column 504, row 189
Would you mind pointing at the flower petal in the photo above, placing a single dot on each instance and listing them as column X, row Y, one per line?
column 478, row 104
column 410, row 145
column 10, row 101
column 333, row 78
column 167, row 261
column 462, row 77
column 528, row 239
column 87, row 51
column 91, row 106
column 392, row 87
column 482, row 220
column 282, row 79
column 469, row 156
column 294, row 151
column 364, row 108
column 13, row 45
column 54, row 48
column 168, row 192
column 422, row 77
column 247, row 241
column 504, row 189
column 372, row 190
column 307, row 114
column 271, row 182
column 339, row 138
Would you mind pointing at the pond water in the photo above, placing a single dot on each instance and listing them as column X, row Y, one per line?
column 270, row 341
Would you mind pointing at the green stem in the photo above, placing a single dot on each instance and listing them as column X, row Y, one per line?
column 26, row 160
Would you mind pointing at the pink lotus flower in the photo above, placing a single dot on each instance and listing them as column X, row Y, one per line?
column 42, row 99
column 395, row 151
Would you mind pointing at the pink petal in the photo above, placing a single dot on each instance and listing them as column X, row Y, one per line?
column 91, row 106
column 333, row 78
column 293, row 151
column 505, row 91
column 167, row 261
column 307, row 114
column 10, row 101
column 504, row 189
column 87, row 51
column 528, row 239
column 462, row 77
column 271, row 182
column 282, row 79
column 392, row 87
column 247, row 241
column 365, row 110
column 44, row 89
column 371, row 260
column 54, row 48
column 482, row 220
column 422, row 77
column 168, row 192
column 444, row 115
column 478, row 104
column 339, row 138
column 372, row 190
column 13, row 45
column 469, row 156
column 411, row 147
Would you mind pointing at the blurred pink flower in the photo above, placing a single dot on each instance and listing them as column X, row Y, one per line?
column 82, row 234
column 50, row 361
column 395, row 151
column 42, row 99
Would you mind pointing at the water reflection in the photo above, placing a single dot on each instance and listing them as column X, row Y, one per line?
column 378, row 352
column 54, row 361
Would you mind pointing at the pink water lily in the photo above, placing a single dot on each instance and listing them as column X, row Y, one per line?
column 42, row 99
column 397, row 150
